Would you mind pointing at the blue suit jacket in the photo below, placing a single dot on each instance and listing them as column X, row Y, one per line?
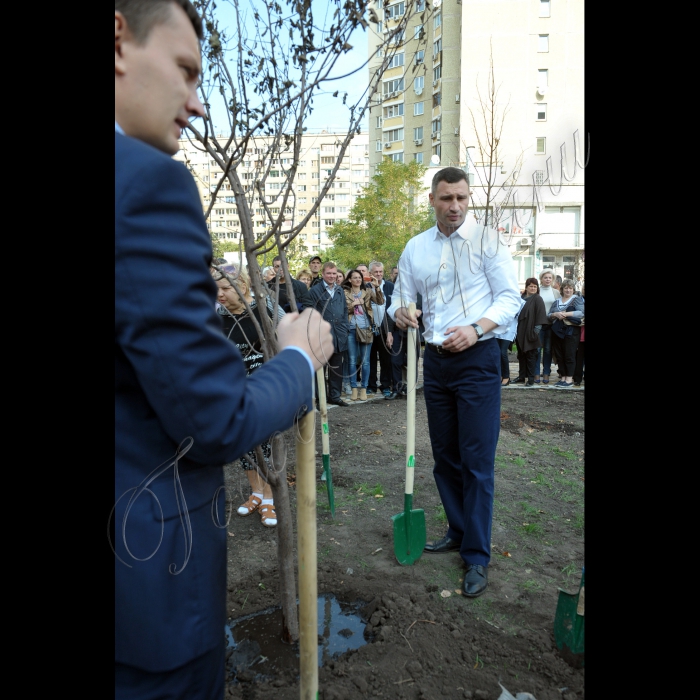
column 177, row 377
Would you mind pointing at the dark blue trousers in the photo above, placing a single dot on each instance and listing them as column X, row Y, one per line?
column 463, row 401
column 200, row 679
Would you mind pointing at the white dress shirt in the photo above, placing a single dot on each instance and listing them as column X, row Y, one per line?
column 464, row 277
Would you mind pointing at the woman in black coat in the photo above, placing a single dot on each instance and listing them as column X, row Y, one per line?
column 530, row 320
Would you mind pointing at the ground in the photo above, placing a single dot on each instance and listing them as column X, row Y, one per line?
column 426, row 640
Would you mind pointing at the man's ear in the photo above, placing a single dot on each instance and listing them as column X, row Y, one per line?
column 121, row 36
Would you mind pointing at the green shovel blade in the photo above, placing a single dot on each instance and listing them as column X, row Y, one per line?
column 329, row 483
column 409, row 533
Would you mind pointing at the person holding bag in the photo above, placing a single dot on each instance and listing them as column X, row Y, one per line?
column 359, row 298
column 566, row 314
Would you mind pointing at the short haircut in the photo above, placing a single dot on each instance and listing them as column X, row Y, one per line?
column 142, row 15
column 276, row 258
column 532, row 280
column 547, row 272
column 568, row 283
column 328, row 265
column 449, row 175
column 375, row 263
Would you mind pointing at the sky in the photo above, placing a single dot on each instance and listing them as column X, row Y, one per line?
column 326, row 112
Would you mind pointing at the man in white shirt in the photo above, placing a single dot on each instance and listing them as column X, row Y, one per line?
column 469, row 286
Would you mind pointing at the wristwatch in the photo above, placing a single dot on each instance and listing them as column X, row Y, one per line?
column 479, row 330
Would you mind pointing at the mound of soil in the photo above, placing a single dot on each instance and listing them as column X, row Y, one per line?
column 424, row 639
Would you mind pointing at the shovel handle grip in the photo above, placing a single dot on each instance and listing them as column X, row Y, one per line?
column 323, row 406
column 410, row 403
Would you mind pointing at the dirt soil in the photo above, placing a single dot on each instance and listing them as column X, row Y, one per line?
column 425, row 640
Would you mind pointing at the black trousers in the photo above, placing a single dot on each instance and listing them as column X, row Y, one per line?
column 334, row 374
column 527, row 363
column 580, row 362
column 565, row 349
column 379, row 352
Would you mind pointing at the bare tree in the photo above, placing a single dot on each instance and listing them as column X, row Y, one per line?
column 266, row 66
column 489, row 123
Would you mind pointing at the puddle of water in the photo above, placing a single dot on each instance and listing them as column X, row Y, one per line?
column 254, row 646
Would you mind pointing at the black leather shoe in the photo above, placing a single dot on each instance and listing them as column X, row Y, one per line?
column 338, row 402
column 392, row 395
column 475, row 580
column 443, row 545
column 519, row 380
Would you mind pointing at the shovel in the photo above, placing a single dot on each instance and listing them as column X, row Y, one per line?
column 569, row 623
column 323, row 406
column 409, row 526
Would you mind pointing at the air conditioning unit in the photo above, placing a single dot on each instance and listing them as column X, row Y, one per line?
column 419, row 91
column 418, row 142
column 527, row 241
column 456, row 130
column 435, row 82
column 457, row 97
column 435, row 135
column 387, row 145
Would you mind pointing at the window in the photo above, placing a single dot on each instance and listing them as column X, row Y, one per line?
column 378, row 146
column 327, row 159
column 274, row 173
column 437, row 101
column 397, row 38
column 396, row 157
column 418, row 84
column 393, row 86
column 542, row 77
column 394, row 11
column 379, row 122
column 418, row 132
column 301, row 188
column 301, row 176
column 229, row 200
column 417, row 109
column 437, row 20
column 418, row 31
column 543, row 43
column 396, row 60
column 329, row 222
column 327, row 146
column 302, row 163
column 437, row 150
column 420, row 55
column 437, row 47
column 230, row 223
column 314, row 175
column 393, row 135
column 393, row 111
column 420, row 5
column 435, row 125
column 541, row 146
column 437, row 73
column 380, row 28
column 219, row 212
column 544, row 8
column 418, row 157
column 329, row 210
column 230, row 211
column 541, row 111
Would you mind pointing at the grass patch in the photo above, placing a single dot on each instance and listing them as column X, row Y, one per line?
column 541, row 480
column 533, row 529
column 567, row 454
column 440, row 516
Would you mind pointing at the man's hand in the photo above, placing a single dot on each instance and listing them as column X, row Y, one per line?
column 461, row 338
column 403, row 320
column 389, row 340
column 309, row 332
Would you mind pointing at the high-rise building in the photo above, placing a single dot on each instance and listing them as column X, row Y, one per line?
column 416, row 114
column 495, row 88
column 318, row 156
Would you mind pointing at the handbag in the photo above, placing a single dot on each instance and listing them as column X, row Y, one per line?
column 364, row 335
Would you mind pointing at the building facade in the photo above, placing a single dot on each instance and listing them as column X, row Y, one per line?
column 318, row 156
column 504, row 83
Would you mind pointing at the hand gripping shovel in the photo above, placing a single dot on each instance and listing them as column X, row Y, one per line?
column 409, row 526
column 323, row 406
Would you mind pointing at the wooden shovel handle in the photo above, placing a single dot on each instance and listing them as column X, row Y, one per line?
column 410, row 402
column 323, row 406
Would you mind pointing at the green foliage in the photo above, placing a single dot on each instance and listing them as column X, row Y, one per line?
column 384, row 218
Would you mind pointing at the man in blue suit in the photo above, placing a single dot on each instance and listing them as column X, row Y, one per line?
column 183, row 404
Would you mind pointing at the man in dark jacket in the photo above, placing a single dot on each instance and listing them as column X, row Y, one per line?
column 300, row 289
column 315, row 267
column 381, row 342
column 329, row 298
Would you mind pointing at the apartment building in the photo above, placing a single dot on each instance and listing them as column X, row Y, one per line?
column 416, row 114
column 318, row 156
column 537, row 52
